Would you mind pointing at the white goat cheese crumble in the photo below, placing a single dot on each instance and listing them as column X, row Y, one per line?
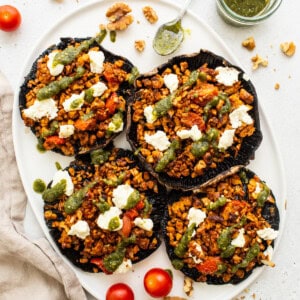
column 146, row 224
column 105, row 218
column 196, row 216
column 227, row 75
column 66, row 130
column 239, row 241
column 81, row 229
column 124, row 267
column 54, row 70
column 148, row 113
column 74, row 102
column 171, row 82
column 226, row 139
column 96, row 61
column 267, row 233
column 194, row 133
column 40, row 109
column 158, row 140
column 240, row 116
column 98, row 89
column 64, row 174
column 121, row 194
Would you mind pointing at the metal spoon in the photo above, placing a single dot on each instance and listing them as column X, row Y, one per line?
column 170, row 35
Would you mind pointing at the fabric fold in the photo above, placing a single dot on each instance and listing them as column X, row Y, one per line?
column 28, row 268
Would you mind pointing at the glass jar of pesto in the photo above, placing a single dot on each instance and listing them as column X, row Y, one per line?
column 246, row 12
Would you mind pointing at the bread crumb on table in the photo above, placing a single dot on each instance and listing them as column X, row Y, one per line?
column 277, row 86
column 288, row 48
column 249, row 43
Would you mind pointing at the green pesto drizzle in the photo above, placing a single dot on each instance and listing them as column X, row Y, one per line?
column 39, row 185
column 247, row 8
column 115, row 259
column 55, row 87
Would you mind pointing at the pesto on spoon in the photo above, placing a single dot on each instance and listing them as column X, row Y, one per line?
column 170, row 35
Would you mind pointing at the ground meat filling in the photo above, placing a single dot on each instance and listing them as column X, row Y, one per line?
column 98, row 87
column 104, row 249
column 209, row 119
column 220, row 235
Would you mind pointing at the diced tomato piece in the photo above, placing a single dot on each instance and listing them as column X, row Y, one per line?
column 112, row 103
column 209, row 266
column 238, row 204
column 99, row 263
column 84, row 125
column 208, row 91
column 110, row 76
column 127, row 226
column 140, row 205
column 191, row 119
column 53, row 141
column 131, row 213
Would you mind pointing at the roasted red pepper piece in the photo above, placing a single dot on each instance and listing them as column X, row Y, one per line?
column 99, row 263
column 209, row 266
column 112, row 103
column 127, row 226
column 53, row 141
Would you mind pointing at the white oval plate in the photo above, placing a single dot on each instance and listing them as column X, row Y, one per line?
column 32, row 164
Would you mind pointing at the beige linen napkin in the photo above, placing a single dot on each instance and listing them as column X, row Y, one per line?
column 28, row 269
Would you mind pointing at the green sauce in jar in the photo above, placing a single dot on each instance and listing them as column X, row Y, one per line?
column 247, row 8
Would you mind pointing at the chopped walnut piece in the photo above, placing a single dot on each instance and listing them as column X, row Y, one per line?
column 118, row 16
column 288, row 48
column 139, row 45
column 258, row 61
column 188, row 286
column 150, row 14
column 277, row 86
column 249, row 43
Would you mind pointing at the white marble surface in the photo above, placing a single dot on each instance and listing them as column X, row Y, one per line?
column 281, row 107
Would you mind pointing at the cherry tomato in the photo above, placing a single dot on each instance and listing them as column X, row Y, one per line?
column 119, row 291
column 10, row 18
column 158, row 282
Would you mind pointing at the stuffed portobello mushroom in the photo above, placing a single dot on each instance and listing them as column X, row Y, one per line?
column 220, row 234
column 104, row 211
column 192, row 119
column 75, row 96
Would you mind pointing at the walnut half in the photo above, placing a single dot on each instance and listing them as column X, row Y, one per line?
column 119, row 17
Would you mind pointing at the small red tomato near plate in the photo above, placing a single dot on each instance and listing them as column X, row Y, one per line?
column 10, row 18
column 119, row 291
column 158, row 282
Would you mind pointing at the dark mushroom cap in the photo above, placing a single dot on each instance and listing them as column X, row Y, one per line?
column 84, row 166
column 269, row 212
column 248, row 145
column 125, row 90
